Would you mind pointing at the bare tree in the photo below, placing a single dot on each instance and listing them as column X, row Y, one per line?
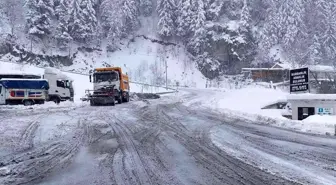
column 13, row 10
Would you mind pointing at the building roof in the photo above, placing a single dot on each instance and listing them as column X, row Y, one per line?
column 282, row 65
column 263, row 69
column 309, row 96
column 287, row 66
column 321, row 68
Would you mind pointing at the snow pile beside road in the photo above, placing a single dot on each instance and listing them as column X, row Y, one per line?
column 250, row 99
column 246, row 104
column 321, row 119
column 317, row 122
column 48, row 106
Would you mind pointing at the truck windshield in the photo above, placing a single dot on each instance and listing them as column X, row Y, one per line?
column 105, row 77
column 68, row 84
column 64, row 83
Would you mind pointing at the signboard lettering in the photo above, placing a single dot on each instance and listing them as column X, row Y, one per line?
column 325, row 111
column 299, row 80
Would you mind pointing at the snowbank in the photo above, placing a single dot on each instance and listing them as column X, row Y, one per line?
column 246, row 104
column 250, row 99
column 318, row 122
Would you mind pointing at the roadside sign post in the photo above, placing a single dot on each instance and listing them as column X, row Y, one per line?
column 299, row 80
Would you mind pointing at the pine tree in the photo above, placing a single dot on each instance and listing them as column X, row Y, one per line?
column 112, row 22
column 62, row 30
column 146, row 7
column 328, row 34
column 245, row 17
column 76, row 22
column 38, row 18
column 130, row 14
column 247, row 45
column 111, row 16
column 291, row 13
column 185, row 18
column 213, row 9
column 314, row 52
column 199, row 39
column 166, row 10
column 82, row 21
column 89, row 15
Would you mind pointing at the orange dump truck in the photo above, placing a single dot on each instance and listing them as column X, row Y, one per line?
column 109, row 85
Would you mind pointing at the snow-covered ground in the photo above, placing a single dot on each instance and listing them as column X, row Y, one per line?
column 158, row 140
column 81, row 82
column 247, row 104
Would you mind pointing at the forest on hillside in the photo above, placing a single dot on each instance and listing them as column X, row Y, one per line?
column 222, row 35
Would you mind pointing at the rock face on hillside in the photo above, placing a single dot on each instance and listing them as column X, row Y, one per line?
column 14, row 53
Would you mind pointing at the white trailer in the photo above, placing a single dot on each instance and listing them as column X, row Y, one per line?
column 23, row 91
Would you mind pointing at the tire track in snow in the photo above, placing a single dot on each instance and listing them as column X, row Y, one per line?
column 132, row 169
column 224, row 168
column 150, row 149
column 32, row 165
column 26, row 141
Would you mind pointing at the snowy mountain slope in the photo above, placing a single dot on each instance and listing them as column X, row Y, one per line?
column 145, row 61
column 143, row 58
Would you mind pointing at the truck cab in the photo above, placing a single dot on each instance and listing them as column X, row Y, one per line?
column 111, row 77
column 61, row 86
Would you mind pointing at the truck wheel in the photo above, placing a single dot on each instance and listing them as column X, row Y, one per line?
column 28, row 103
column 56, row 100
column 127, row 97
column 41, row 102
column 120, row 99
column 113, row 103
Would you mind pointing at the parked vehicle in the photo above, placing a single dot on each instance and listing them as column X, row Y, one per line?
column 109, row 85
column 23, row 91
column 61, row 86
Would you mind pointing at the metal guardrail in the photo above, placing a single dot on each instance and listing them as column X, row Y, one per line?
column 78, row 73
column 140, row 83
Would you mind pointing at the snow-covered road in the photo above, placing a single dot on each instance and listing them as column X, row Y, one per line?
column 156, row 142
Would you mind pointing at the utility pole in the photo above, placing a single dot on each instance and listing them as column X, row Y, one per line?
column 166, row 74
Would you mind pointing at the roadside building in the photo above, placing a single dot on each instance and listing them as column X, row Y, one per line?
column 305, row 105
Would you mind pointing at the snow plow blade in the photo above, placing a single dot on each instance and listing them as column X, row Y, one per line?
column 101, row 97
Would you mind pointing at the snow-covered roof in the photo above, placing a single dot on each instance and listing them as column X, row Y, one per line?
column 20, row 79
column 15, row 72
column 321, row 68
column 260, row 69
column 309, row 96
column 314, row 68
column 57, row 72
column 283, row 65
